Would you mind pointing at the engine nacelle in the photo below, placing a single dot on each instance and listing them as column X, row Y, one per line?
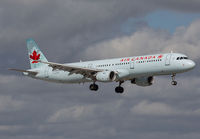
column 143, row 81
column 106, row 76
column 122, row 74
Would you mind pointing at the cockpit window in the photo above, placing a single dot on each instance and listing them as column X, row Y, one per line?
column 180, row 58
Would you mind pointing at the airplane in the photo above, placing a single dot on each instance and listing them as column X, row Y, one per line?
column 139, row 70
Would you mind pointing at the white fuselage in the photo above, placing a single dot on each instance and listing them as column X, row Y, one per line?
column 127, row 68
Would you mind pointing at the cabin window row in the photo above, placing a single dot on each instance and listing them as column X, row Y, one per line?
column 148, row 61
column 126, row 63
column 106, row 65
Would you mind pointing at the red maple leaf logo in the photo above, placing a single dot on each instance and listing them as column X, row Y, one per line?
column 35, row 56
column 160, row 56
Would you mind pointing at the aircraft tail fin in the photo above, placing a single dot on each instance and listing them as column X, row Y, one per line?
column 35, row 54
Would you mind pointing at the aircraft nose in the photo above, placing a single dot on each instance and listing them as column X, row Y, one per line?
column 191, row 64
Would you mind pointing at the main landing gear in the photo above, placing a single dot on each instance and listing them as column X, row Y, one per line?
column 94, row 87
column 173, row 80
column 119, row 89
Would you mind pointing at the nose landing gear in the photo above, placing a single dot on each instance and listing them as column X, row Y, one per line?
column 173, row 80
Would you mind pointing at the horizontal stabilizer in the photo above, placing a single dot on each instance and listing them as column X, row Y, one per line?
column 25, row 71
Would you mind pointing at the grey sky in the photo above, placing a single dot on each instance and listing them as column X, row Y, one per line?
column 69, row 30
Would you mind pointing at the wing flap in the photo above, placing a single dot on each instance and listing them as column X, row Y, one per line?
column 68, row 67
column 86, row 72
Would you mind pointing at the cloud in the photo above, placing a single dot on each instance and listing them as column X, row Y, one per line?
column 76, row 113
column 155, row 108
column 67, row 30
column 7, row 103
column 178, row 5
column 146, row 108
column 64, row 27
column 58, row 111
column 148, row 40
column 7, row 79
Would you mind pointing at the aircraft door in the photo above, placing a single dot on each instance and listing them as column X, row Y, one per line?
column 132, row 65
column 168, row 60
column 46, row 72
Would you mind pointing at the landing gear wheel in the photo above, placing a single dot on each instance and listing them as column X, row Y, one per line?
column 119, row 89
column 173, row 80
column 94, row 87
column 174, row 83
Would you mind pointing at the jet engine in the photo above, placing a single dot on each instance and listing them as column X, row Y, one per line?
column 106, row 76
column 143, row 81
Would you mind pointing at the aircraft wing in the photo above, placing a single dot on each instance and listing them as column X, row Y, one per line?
column 86, row 72
column 25, row 71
